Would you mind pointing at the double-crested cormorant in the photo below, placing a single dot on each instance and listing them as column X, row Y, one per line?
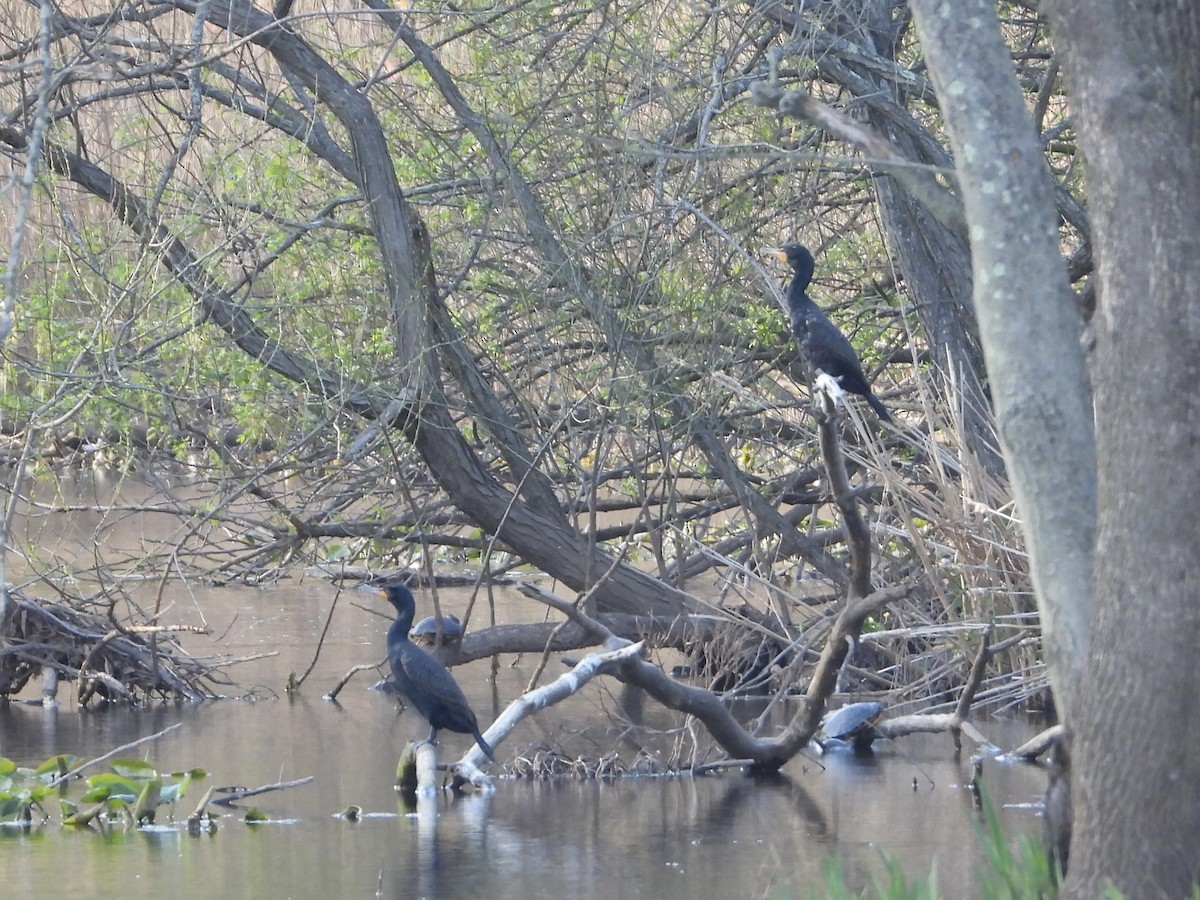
column 823, row 344
column 422, row 680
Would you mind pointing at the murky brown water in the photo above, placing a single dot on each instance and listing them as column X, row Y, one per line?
column 729, row 836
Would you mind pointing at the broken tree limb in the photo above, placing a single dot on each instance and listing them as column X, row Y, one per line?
column 230, row 795
column 416, row 773
column 1038, row 744
column 566, row 685
column 345, row 679
column 710, row 709
column 954, row 722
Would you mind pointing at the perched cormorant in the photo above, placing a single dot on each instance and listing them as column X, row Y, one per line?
column 423, row 681
column 823, row 344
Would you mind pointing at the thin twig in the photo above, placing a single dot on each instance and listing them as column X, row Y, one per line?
column 111, row 753
column 320, row 642
column 337, row 688
column 235, row 794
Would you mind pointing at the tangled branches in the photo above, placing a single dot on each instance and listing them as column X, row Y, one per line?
column 114, row 662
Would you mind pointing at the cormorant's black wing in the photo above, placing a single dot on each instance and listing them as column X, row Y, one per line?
column 428, row 684
column 829, row 351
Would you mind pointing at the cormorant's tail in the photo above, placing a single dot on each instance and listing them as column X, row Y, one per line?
column 483, row 745
column 880, row 409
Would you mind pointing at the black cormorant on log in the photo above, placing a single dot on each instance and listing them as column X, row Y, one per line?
column 823, row 344
column 423, row 681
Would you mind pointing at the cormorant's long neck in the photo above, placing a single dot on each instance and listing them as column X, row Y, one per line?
column 800, row 305
column 803, row 268
column 798, row 300
column 398, row 631
column 797, row 296
column 400, row 628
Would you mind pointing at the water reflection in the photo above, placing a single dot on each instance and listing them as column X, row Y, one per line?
column 733, row 835
column 728, row 836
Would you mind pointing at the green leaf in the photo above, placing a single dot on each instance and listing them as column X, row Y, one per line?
column 56, row 765
column 109, row 785
column 148, row 799
column 40, row 792
column 133, row 768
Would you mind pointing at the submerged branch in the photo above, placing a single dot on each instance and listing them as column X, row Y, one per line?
column 1040, row 743
column 566, row 685
column 231, row 795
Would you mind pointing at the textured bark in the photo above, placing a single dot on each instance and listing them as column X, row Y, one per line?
column 1028, row 319
column 936, row 263
column 1131, row 69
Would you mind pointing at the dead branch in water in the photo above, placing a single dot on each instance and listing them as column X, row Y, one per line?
column 1038, row 744
column 111, row 753
column 230, row 795
column 708, row 707
column 955, row 722
column 115, row 662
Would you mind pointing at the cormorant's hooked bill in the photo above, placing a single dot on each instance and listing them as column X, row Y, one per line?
column 822, row 343
column 422, row 680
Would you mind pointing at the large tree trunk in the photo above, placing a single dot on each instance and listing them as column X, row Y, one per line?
column 1029, row 322
column 935, row 259
column 1134, row 85
column 1133, row 706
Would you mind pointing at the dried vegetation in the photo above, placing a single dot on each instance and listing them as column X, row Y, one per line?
column 606, row 391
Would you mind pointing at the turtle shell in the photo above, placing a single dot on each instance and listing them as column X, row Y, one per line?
column 425, row 631
column 854, row 722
